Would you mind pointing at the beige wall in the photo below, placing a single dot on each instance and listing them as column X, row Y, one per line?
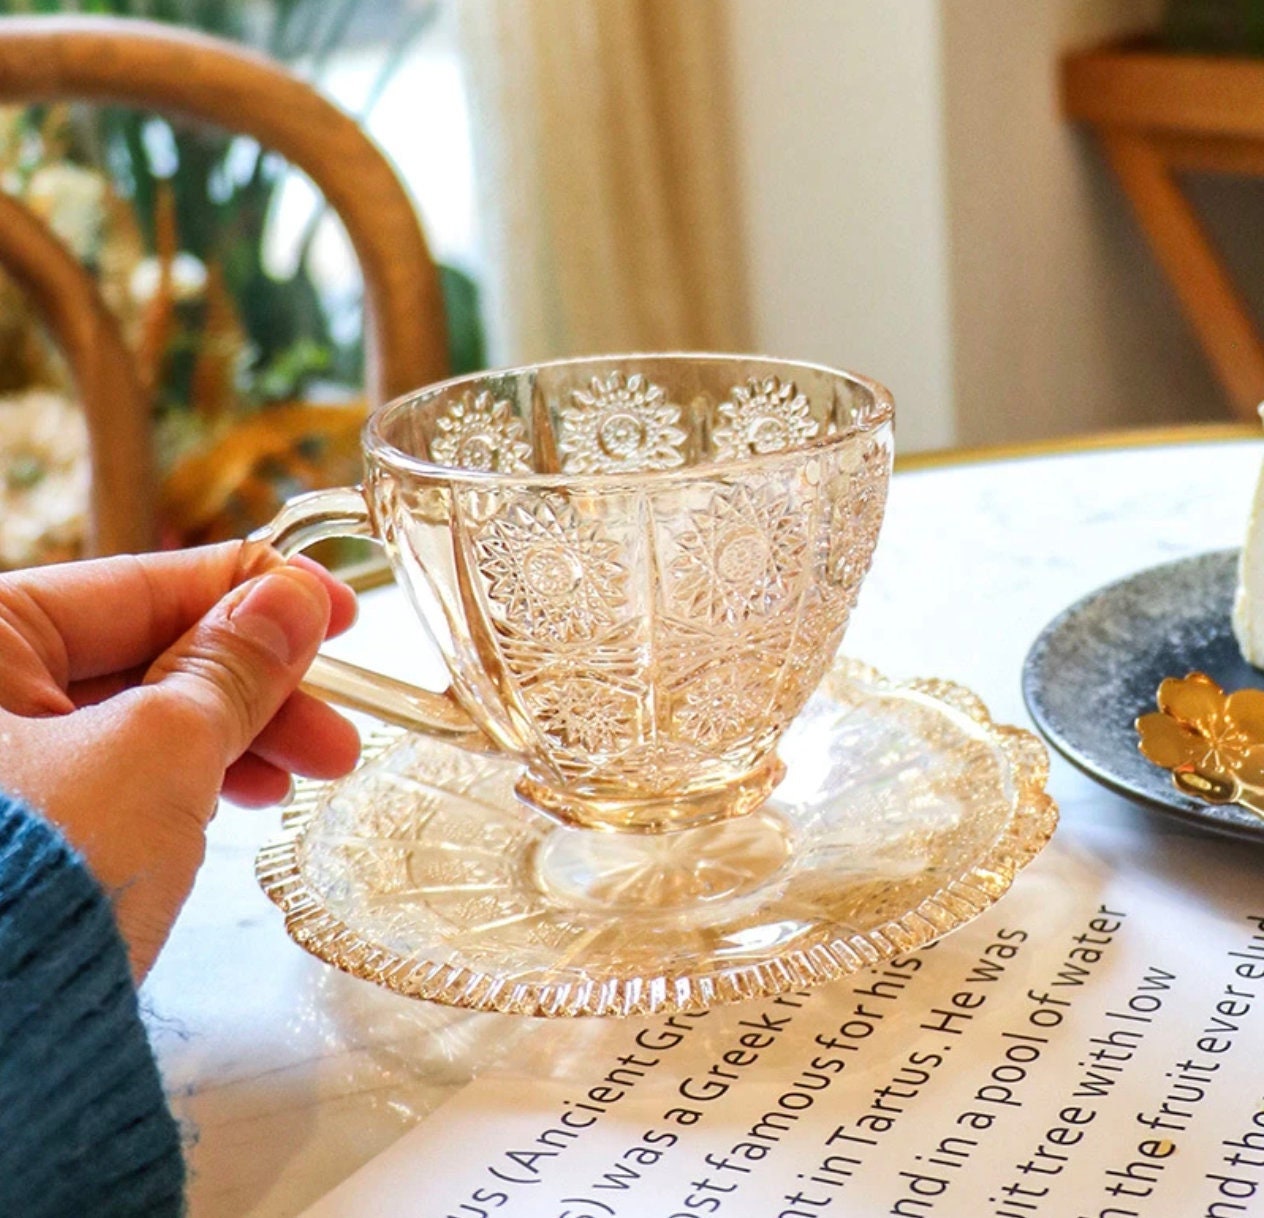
column 1060, row 320
column 842, row 165
column 916, row 208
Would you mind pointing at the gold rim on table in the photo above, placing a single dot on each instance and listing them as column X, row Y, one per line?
column 906, row 813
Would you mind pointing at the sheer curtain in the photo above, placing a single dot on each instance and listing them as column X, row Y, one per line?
column 604, row 158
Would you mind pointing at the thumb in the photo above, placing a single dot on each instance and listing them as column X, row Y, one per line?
column 232, row 671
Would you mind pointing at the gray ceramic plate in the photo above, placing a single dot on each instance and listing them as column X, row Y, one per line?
column 1097, row 665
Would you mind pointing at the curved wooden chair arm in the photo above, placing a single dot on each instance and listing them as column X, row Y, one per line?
column 116, row 409
column 184, row 74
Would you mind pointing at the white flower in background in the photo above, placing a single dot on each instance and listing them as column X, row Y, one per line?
column 188, row 279
column 43, row 478
column 71, row 201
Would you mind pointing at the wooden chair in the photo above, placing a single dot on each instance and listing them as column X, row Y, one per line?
column 1159, row 114
column 190, row 76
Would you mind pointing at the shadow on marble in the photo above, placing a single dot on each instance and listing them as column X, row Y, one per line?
column 277, row 1130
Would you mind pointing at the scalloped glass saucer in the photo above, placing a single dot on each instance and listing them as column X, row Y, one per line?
column 905, row 812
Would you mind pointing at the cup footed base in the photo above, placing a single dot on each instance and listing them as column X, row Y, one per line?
column 904, row 813
column 637, row 875
column 656, row 813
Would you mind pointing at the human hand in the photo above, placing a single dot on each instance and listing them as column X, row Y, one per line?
column 135, row 690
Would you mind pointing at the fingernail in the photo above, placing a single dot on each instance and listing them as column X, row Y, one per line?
column 285, row 612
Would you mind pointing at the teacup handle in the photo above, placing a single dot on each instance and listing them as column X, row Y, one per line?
column 343, row 512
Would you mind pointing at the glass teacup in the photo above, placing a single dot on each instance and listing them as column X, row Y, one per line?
column 637, row 568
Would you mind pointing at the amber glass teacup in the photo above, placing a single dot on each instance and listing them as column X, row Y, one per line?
column 637, row 567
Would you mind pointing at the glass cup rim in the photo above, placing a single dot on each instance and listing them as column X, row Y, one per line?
column 376, row 446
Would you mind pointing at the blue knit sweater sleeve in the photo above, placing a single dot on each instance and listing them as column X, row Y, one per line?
column 84, row 1128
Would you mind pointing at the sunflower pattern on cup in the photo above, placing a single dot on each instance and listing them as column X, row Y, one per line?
column 480, row 432
column 620, row 426
column 737, row 557
column 650, row 629
column 856, row 503
column 763, row 416
column 728, row 604
column 550, row 571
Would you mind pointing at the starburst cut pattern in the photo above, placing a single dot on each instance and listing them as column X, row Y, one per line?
column 763, row 416
column 725, row 704
column 657, row 764
column 726, row 858
column 479, row 432
column 857, row 504
column 740, row 556
column 820, row 629
column 620, row 426
column 553, row 574
column 585, row 713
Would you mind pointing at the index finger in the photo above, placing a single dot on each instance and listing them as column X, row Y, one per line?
column 89, row 619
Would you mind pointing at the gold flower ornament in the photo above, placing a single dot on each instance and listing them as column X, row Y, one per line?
column 1212, row 742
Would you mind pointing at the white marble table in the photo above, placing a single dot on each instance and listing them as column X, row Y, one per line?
column 289, row 1075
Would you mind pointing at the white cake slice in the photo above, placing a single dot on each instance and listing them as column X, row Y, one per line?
column 1248, row 602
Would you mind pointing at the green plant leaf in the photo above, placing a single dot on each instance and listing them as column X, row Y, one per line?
column 224, row 201
column 466, row 346
column 1220, row 27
